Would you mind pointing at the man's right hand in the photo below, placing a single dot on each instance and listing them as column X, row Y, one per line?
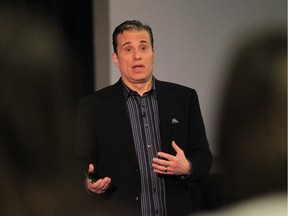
column 98, row 187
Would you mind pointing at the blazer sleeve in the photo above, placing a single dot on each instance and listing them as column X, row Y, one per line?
column 198, row 151
column 189, row 133
column 84, row 139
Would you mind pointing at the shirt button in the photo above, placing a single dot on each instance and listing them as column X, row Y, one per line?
column 136, row 198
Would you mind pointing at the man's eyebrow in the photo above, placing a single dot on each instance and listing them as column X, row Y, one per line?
column 144, row 42
column 128, row 42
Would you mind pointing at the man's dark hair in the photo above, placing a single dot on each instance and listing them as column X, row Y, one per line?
column 129, row 25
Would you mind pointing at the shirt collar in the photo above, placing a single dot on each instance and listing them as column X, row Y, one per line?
column 128, row 92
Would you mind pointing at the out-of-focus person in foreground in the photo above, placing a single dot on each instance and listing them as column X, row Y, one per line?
column 36, row 115
column 253, row 129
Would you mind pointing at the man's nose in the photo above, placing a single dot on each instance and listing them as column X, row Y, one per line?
column 137, row 55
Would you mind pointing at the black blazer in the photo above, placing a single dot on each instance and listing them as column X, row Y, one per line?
column 105, row 138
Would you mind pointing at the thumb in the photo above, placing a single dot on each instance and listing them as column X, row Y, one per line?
column 175, row 147
column 91, row 168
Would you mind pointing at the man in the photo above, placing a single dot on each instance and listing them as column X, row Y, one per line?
column 145, row 138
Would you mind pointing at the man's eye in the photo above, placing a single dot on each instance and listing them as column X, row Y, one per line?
column 128, row 49
column 143, row 48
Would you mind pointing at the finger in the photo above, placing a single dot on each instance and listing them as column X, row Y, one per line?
column 176, row 147
column 93, row 185
column 91, row 168
column 160, row 162
column 165, row 155
column 100, row 184
column 104, row 185
column 158, row 166
column 107, row 183
column 163, row 170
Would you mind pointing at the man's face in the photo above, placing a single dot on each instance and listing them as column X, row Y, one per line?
column 135, row 57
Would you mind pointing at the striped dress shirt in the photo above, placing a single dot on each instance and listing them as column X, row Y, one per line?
column 144, row 118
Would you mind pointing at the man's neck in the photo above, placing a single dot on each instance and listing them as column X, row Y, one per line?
column 140, row 88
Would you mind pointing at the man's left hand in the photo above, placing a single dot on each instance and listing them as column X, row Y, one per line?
column 170, row 164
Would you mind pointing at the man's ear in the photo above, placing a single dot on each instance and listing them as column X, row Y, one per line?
column 115, row 59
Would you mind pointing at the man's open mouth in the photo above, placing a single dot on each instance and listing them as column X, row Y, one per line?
column 140, row 66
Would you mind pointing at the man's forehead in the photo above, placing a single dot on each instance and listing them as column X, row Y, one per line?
column 132, row 36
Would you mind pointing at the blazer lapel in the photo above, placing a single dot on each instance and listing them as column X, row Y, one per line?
column 117, row 109
column 165, row 104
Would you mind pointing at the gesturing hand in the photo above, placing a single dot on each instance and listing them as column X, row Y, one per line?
column 172, row 165
column 98, row 187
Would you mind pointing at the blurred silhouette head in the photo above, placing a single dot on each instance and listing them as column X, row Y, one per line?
column 253, row 129
column 36, row 90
